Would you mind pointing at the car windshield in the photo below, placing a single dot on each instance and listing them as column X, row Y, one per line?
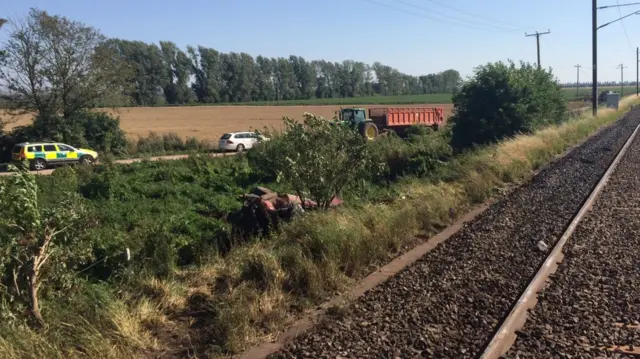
column 226, row 136
column 16, row 149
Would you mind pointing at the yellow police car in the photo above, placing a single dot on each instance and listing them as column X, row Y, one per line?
column 45, row 154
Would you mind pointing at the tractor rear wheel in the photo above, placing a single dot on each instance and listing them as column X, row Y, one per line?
column 369, row 130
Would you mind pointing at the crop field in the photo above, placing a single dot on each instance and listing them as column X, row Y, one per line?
column 435, row 98
column 570, row 92
column 210, row 122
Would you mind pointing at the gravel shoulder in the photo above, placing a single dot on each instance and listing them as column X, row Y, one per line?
column 449, row 302
column 593, row 299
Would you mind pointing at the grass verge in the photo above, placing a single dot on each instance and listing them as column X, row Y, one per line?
column 222, row 305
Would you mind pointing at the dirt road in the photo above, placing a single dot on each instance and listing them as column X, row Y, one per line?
column 132, row 160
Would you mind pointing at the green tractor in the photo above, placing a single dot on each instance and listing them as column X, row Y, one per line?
column 389, row 119
column 357, row 119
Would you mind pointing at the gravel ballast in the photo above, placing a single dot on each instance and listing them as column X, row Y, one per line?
column 593, row 299
column 448, row 303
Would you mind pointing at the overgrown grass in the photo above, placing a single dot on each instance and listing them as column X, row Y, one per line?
column 167, row 143
column 210, row 303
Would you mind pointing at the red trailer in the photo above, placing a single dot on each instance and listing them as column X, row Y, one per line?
column 396, row 119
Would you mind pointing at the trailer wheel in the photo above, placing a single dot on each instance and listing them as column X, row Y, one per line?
column 369, row 130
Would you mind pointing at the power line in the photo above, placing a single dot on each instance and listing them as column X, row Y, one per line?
column 584, row 72
column 624, row 27
column 479, row 16
column 423, row 16
column 619, row 19
column 618, row 5
column 509, row 27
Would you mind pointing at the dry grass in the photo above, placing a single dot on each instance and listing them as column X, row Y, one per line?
column 244, row 298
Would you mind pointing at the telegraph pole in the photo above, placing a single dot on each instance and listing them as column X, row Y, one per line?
column 577, row 81
column 621, row 67
column 594, row 33
column 594, row 45
column 537, row 35
column 637, row 71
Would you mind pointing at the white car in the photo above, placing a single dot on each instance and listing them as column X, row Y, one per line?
column 239, row 141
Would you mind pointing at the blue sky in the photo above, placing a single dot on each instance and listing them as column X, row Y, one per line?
column 414, row 36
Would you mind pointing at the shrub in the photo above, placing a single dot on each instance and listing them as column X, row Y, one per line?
column 316, row 157
column 423, row 154
column 152, row 143
column 102, row 132
column 96, row 130
column 502, row 100
column 39, row 245
column 169, row 142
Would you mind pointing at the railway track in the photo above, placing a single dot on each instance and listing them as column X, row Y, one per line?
column 600, row 225
column 467, row 297
column 591, row 306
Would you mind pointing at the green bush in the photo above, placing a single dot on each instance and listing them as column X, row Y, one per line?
column 102, row 132
column 316, row 157
column 424, row 153
column 95, row 130
column 167, row 213
column 502, row 100
column 41, row 246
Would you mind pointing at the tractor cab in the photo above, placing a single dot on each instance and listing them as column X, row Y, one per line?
column 357, row 119
column 352, row 116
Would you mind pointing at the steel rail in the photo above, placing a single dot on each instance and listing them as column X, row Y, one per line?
column 504, row 337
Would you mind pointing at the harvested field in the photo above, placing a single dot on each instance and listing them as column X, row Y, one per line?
column 211, row 122
column 450, row 301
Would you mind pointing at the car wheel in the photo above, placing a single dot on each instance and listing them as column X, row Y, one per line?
column 39, row 164
column 240, row 148
column 86, row 160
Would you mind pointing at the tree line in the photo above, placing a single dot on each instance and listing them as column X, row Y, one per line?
column 40, row 67
column 165, row 74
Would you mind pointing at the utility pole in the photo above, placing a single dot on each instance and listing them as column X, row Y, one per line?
column 594, row 33
column 621, row 67
column 577, row 81
column 594, row 45
column 537, row 35
column 637, row 71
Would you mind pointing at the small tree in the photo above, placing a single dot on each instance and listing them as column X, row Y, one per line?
column 316, row 157
column 38, row 244
column 52, row 65
column 502, row 100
